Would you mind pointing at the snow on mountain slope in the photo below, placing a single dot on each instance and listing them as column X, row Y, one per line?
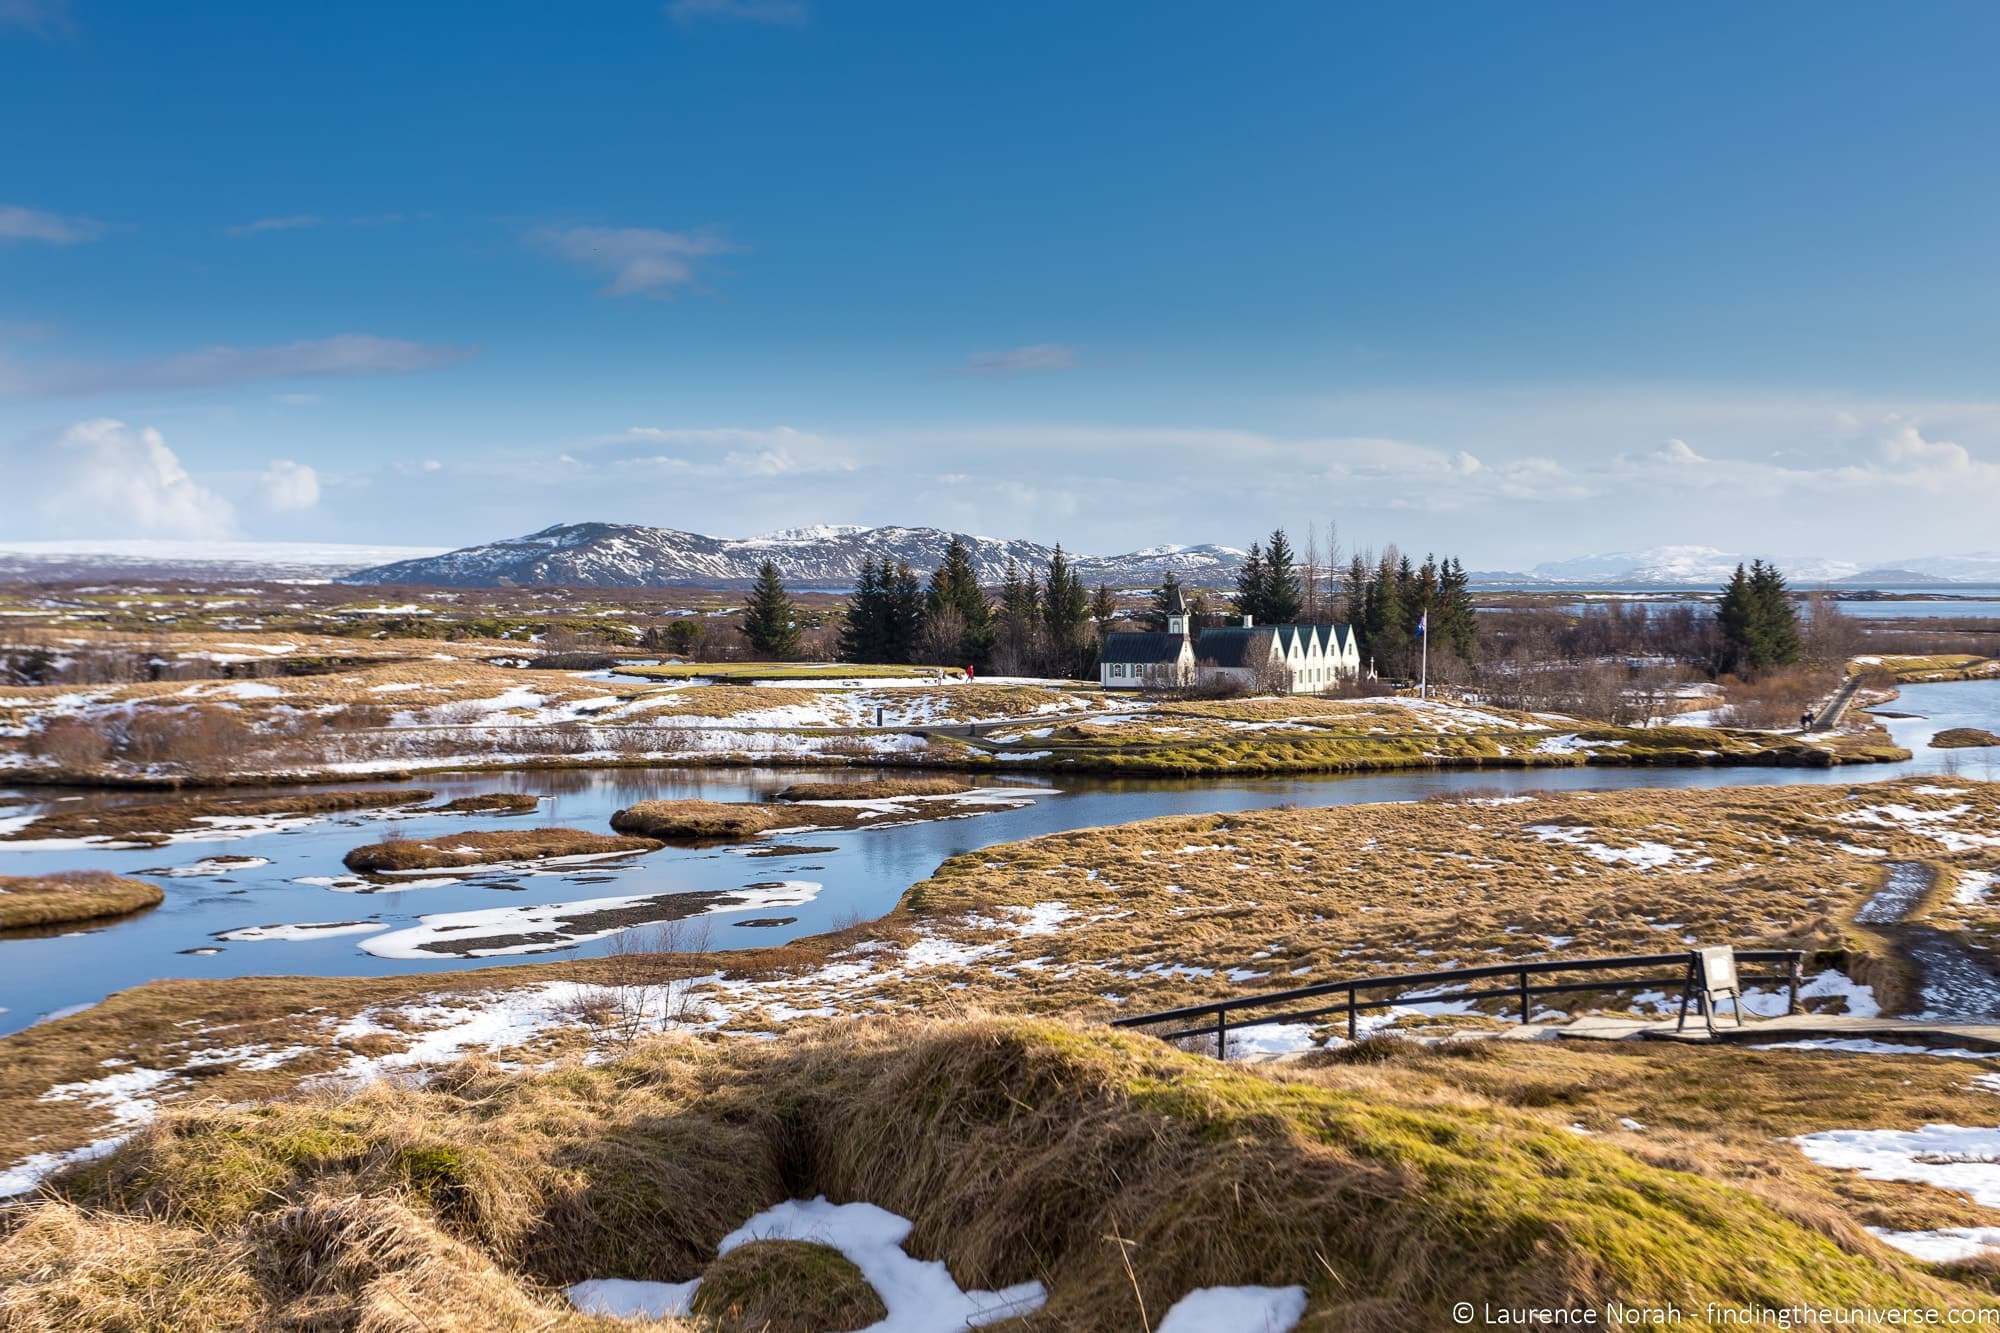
column 620, row 555
column 1684, row 566
column 162, row 557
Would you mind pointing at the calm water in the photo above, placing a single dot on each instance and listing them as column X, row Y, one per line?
column 864, row 875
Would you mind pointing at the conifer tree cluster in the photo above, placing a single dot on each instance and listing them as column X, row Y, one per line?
column 1044, row 623
column 1389, row 597
column 1759, row 624
column 1267, row 587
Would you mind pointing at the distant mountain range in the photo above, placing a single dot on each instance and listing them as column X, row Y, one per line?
column 623, row 555
column 616, row 555
column 1708, row 566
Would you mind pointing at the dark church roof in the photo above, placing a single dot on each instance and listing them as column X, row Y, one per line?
column 1234, row 646
column 1142, row 646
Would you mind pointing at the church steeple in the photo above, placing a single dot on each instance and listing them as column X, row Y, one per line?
column 1177, row 613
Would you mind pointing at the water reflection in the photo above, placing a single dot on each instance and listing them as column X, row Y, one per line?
column 863, row 876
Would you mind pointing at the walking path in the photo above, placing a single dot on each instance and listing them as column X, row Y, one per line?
column 1979, row 1035
column 1829, row 717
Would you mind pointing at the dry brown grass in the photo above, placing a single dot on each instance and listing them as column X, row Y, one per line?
column 786, row 1286
column 74, row 895
column 1963, row 738
column 490, row 848
column 702, row 821
column 1390, row 1191
column 873, row 789
column 498, row 803
column 150, row 823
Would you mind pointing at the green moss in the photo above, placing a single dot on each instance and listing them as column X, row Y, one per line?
column 786, row 1286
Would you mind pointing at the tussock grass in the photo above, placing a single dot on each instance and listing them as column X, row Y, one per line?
column 498, row 802
column 1963, row 738
column 73, row 895
column 873, row 789
column 1016, row 1148
column 488, row 847
column 786, row 1286
column 151, row 823
column 702, row 821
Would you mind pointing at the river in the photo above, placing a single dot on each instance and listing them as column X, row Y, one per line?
column 861, row 873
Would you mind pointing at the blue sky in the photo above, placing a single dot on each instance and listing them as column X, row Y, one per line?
column 1514, row 281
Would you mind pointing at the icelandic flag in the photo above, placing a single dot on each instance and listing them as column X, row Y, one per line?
column 1424, row 622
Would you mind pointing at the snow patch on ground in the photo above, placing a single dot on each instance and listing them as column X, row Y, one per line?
column 303, row 930
column 552, row 921
column 1236, row 1310
column 1953, row 1157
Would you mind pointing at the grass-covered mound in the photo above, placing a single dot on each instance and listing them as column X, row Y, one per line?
column 873, row 789
column 702, row 821
column 494, row 803
column 1963, row 738
column 786, row 1286
column 151, row 823
column 71, row 895
column 1020, row 1150
column 489, row 847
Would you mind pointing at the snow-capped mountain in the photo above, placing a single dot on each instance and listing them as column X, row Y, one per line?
column 1977, row 567
column 1685, row 567
column 622, row 555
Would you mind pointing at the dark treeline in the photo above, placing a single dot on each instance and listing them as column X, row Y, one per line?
column 1044, row 623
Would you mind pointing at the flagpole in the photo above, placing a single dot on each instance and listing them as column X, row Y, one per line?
column 1424, row 679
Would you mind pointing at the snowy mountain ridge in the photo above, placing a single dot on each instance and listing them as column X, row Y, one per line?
column 624, row 555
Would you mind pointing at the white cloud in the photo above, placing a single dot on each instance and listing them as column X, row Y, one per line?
column 286, row 486
column 346, row 354
column 102, row 478
column 1020, row 360
column 32, row 224
column 642, row 261
column 292, row 223
column 781, row 13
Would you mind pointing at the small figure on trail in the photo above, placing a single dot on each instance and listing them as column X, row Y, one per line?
column 1806, row 720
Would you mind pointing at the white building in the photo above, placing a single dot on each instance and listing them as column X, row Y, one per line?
column 1294, row 659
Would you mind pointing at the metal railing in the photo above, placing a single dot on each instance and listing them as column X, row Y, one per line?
column 1221, row 1017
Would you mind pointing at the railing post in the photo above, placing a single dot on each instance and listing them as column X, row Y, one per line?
column 1524, row 995
column 1350, row 1013
column 1221, row 1034
column 1797, row 975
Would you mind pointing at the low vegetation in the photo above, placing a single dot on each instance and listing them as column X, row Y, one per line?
column 1963, row 738
column 786, row 1286
column 702, row 821
column 1925, row 669
column 495, row 847
column 745, row 672
column 496, row 803
column 1120, row 1173
column 75, row 895
column 154, row 823
column 873, row 789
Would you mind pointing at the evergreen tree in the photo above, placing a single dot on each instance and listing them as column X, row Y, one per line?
column 1065, row 607
column 863, row 635
column 1014, row 625
column 771, row 621
column 1163, row 598
column 1780, row 617
column 1282, row 595
column 1461, row 617
column 904, row 616
column 1356, row 591
column 1103, row 608
column 954, row 589
column 1736, row 617
column 1250, row 584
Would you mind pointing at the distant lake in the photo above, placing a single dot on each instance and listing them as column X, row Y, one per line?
column 1957, row 601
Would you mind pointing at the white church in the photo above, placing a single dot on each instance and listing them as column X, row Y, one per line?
column 1299, row 659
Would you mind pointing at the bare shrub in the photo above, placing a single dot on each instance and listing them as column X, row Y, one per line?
column 71, row 744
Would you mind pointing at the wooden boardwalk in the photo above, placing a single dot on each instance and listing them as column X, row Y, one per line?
column 1978, row 1036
